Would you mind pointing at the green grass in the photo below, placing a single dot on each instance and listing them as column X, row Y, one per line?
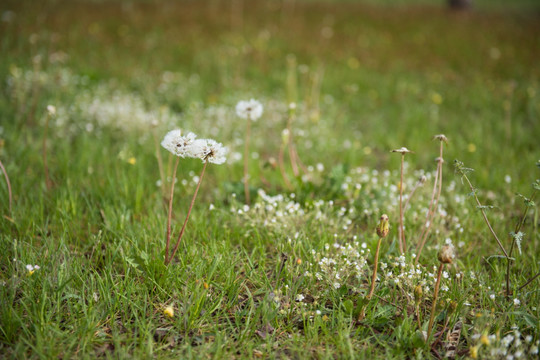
column 366, row 79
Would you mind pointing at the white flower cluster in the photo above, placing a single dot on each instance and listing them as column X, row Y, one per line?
column 189, row 146
column 403, row 273
column 512, row 346
column 249, row 109
column 337, row 265
column 282, row 211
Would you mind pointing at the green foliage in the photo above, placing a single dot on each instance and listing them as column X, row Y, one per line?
column 287, row 276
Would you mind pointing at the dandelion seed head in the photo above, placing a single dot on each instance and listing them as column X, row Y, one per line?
column 178, row 144
column 251, row 109
column 209, row 150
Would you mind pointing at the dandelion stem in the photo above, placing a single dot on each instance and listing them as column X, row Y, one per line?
column 410, row 196
column 8, row 186
column 246, row 160
column 375, row 266
column 434, row 304
column 189, row 213
column 402, row 244
column 281, row 164
column 291, row 148
column 437, row 188
column 169, row 214
column 48, row 183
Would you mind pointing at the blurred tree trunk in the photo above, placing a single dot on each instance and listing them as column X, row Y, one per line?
column 459, row 4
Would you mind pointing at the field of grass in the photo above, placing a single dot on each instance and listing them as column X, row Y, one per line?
column 288, row 275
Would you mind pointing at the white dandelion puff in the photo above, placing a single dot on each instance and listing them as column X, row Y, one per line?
column 251, row 109
column 178, row 144
column 209, row 150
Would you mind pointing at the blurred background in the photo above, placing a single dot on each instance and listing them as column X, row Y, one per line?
column 368, row 76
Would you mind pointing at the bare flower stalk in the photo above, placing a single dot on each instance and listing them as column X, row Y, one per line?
column 435, row 196
column 419, row 183
column 169, row 214
column 188, row 214
column 8, row 186
column 246, row 160
column 281, row 163
column 435, row 295
column 402, row 244
column 51, row 110
column 401, row 232
column 446, row 256
column 382, row 232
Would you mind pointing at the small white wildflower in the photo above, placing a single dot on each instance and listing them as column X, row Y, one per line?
column 31, row 269
column 517, row 302
column 209, row 150
column 318, row 312
column 51, row 109
column 178, row 144
column 492, row 296
column 251, row 109
column 300, row 297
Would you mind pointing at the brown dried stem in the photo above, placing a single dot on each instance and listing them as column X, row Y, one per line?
column 434, row 304
column 246, row 160
column 189, row 213
column 169, row 214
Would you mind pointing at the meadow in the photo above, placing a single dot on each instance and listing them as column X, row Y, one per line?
column 284, row 269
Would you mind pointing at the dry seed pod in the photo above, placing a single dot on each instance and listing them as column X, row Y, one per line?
column 446, row 254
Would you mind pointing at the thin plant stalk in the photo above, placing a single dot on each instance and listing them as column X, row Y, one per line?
column 10, row 195
column 411, row 195
column 188, row 214
column 291, row 148
column 48, row 183
column 485, row 216
column 517, row 230
column 382, row 231
column 435, row 295
column 246, row 160
column 437, row 188
column 418, row 321
column 281, row 164
column 529, row 281
column 375, row 266
column 402, row 244
column 169, row 214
